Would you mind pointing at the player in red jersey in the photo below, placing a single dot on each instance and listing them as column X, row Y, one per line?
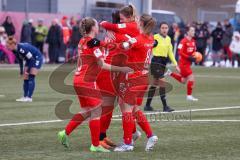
column 123, row 24
column 134, row 85
column 127, row 27
column 108, row 81
column 186, row 49
column 90, row 63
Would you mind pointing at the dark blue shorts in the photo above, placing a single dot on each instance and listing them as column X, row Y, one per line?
column 34, row 64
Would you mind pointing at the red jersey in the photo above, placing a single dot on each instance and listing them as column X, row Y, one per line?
column 120, row 32
column 114, row 54
column 88, row 67
column 134, row 85
column 130, row 28
column 140, row 53
column 186, row 48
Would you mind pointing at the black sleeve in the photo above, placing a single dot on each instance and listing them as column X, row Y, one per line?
column 155, row 43
column 93, row 43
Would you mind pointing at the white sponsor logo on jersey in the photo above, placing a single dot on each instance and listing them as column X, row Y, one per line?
column 21, row 50
column 180, row 46
column 29, row 55
column 97, row 53
column 123, row 25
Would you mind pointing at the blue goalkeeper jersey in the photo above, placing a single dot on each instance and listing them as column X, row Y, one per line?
column 30, row 54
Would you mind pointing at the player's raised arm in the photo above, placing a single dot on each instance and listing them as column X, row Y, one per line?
column 95, row 43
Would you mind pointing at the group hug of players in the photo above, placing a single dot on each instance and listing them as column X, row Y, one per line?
column 117, row 69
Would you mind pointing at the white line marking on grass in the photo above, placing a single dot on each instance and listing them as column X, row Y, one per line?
column 2, row 96
column 224, row 77
column 197, row 120
column 183, row 111
column 53, row 67
column 26, row 123
column 118, row 116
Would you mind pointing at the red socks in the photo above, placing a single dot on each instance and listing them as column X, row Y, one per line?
column 176, row 76
column 94, row 126
column 75, row 121
column 143, row 123
column 128, row 125
column 190, row 87
column 189, row 83
column 105, row 122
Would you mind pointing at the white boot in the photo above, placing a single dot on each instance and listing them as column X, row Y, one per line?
column 22, row 99
column 136, row 136
column 124, row 148
column 151, row 143
column 168, row 73
column 191, row 98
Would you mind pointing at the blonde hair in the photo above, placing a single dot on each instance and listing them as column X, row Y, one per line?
column 129, row 11
column 86, row 25
column 148, row 23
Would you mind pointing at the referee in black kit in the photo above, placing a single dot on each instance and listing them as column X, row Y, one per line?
column 162, row 50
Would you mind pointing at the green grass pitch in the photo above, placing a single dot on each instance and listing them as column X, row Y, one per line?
column 178, row 140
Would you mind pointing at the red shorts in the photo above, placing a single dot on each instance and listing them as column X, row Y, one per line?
column 88, row 93
column 108, row 83
column 132, row 88
column 185, row 70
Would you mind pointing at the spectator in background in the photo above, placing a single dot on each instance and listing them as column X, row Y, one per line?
column 235, row 49
column 3, row 40
column 54, row 40
column 227, row 38
column 176, row 34
column 73, row 43
column 4, row 52
column 66, row 36
column 33, row 31
column 201, row 37
column 40, row 35
column 26, row 33
column 72, row 22
column 9, row 27
column 217, row 47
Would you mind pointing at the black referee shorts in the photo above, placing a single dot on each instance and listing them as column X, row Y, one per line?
column 158, row 67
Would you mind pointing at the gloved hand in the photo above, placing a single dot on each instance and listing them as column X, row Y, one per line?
column 192, row 59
